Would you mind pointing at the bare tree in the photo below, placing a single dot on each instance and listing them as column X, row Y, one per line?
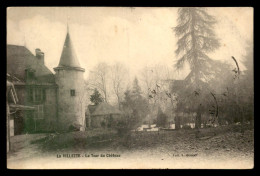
column 147, row 79
column 119, row 75
column 156, row 81
column 99, row 79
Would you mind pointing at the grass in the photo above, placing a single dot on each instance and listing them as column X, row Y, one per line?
column 238, row 138
column 76, row 140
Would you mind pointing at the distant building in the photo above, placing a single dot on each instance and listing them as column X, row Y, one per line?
column 57, row 98
column 103, row 115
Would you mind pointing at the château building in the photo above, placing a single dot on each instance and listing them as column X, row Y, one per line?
column 57, row 98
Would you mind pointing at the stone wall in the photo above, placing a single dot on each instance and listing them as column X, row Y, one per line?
column 71, row 109
column 50, row 116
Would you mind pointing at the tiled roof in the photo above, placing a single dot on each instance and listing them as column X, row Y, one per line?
column 68, row 56
column 92, row 108
column 177, row 85
column 20, row 58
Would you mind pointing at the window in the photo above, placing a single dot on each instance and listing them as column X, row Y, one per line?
column 30, row 94
column 30, row 74
column 38, row 95
column 72, row 92
column 43, row 94
column 38, row 113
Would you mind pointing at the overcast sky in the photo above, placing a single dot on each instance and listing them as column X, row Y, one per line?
column 137, row 37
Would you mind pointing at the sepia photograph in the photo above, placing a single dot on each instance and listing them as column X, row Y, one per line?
column 130, row 88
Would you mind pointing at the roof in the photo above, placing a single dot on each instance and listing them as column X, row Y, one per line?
column 21, row 107
column 68, row 57
column 91, row 108
column 105, row 109
column 19, row 58
column 177, row 85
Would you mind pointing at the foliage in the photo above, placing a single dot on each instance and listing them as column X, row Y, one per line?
column 196, row 39
column 135, row 106
column 161, row 119
column 238, row 103
column 119, row 75
column 98, row 79
column 96, row 97
column 109, row 80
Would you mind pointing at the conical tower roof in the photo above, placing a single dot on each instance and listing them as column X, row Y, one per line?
column 68, row 57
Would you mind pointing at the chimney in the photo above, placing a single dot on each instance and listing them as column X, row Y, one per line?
column 39, row 55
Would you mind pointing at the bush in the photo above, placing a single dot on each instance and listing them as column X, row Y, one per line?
column 161, row 119
column 186, row 127
column 74, row 127
column 122, row 128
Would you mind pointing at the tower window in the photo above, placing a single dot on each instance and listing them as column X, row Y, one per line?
column 72, row 92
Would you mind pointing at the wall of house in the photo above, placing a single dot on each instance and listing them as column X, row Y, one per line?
column 49, row 120
column 96, row 121
column 11, row 127
column 71, row 109
column 50, row 109
column 88, row 121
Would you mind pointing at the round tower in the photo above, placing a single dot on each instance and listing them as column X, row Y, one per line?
column 70, row 81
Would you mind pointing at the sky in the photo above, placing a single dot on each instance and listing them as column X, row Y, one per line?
column 137, row 37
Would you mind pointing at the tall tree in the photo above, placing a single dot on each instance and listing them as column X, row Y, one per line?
column 161, row 118
column 136, row 90
column 196, row 39
column 99, row 79
column 135, row 105
column 119, row 77
column 246, row 87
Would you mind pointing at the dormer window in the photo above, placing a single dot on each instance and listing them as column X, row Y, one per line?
column 72, row 92
column 30, row 74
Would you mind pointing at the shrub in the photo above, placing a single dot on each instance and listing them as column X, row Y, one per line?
column 186, row 127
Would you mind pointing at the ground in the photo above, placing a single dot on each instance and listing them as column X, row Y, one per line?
column 220, row 147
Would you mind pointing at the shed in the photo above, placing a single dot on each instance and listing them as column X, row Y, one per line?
column 105, row 115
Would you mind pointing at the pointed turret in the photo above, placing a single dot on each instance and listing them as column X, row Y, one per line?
column 69, row 77
column 68, row 57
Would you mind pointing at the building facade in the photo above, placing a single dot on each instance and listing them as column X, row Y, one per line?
column 102, row 115
column 70, row 81
column 56, row 98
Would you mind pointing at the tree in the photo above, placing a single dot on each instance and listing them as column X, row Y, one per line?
column 135, row 106
column 96, row 97
column 156, row 81
column 196, row 39
column 136, row 90
column 249, row 83
column 147, row 79
column 161, row 118
column 151, row 77
column 118, row 76
column 243, row 88
column 99, row 79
